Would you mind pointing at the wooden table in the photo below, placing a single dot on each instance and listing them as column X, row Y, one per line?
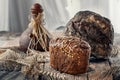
column 94, row 72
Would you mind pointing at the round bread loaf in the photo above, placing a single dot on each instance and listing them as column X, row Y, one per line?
column 69, row 55
column 93, row 28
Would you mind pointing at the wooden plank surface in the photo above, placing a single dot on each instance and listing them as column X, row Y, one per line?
column 64, row 75
column 98, row 69
column 95, row 74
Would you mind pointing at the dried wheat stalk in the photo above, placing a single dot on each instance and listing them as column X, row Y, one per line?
column 39, row 33
column 35, row 66
column 7, row 58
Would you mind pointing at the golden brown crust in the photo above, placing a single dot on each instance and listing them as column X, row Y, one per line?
column 69, row 55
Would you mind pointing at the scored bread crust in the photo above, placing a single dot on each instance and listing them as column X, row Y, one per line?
column 69, row 55
column 93, row 28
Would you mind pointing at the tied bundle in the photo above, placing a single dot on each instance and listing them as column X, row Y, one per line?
column 40, row 37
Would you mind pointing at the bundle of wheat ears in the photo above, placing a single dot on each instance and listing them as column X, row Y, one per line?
column 39, row 35
column 31, row 66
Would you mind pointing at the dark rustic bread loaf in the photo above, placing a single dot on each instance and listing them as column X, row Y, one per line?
column 69, row 55
column 93, row 28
